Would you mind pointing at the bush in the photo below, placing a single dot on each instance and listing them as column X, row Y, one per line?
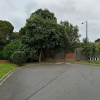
column 87, row 50
column 31, row 53
column 11, row 48
column 19, row 57
column 91, row 50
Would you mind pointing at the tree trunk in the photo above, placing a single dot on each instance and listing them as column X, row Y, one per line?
column 40, row 55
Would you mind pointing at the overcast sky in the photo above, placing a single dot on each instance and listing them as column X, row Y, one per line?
column 74, row 11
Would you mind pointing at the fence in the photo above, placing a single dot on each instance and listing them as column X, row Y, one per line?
column 77, row 55
column 59, row 54
column 81, row 57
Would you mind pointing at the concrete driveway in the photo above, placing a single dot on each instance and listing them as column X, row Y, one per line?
column 53, row 82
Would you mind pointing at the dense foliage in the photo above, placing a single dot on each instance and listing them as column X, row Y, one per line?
column 71, row 36
column 31, row 53
column 15, row 36
column 1, row 54
column 22, row 31
column 6, row 30
column 91, row 49
column 19, row 57
column 42, row 31
column 10, row 48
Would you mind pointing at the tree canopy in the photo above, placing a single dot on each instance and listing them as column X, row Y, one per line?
column 42, row 31
column 6, row 29
column 22, row 31
column 71, row 36
column 45, row 14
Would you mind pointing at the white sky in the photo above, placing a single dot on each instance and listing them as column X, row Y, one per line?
column 74, row 11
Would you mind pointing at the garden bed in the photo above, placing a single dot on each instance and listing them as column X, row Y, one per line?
column 4, row 61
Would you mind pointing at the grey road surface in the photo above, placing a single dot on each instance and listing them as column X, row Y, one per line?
column 53, row 82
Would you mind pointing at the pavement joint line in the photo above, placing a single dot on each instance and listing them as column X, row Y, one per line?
column 45, row 85
column 2, row 80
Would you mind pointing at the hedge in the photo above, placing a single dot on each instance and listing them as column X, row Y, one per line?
column 19, row 57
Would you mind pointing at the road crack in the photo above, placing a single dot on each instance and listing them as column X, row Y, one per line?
column 84, row 76
column 91, row 72
column 45, row 85
column 87, row 79
column 92, row 82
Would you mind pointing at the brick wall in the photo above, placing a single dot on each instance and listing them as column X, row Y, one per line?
column 70, row 56
column 59, row 55
column 4, row 61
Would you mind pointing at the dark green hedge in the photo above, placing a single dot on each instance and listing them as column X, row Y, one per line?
column 19, row 57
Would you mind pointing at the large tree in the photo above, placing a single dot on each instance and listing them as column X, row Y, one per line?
column 15, row 36
column 6, row 29
column 22, row 31
column 71, row 36
column 42, row 31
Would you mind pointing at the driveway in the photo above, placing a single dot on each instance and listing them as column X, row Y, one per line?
column 53, row 82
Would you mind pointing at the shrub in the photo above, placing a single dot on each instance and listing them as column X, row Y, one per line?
column 11, row 48
column 19, row 57
column 31, row 53
column 90, row 50
column 87, row 50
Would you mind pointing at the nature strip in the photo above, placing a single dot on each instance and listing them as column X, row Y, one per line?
column 2, row 80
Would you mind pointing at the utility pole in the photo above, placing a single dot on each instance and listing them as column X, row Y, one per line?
column 86, row 31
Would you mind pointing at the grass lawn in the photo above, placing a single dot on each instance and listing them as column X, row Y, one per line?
column 5, row 68
column 96, row 63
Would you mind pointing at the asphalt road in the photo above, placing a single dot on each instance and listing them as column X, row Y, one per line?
column 53, row 82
